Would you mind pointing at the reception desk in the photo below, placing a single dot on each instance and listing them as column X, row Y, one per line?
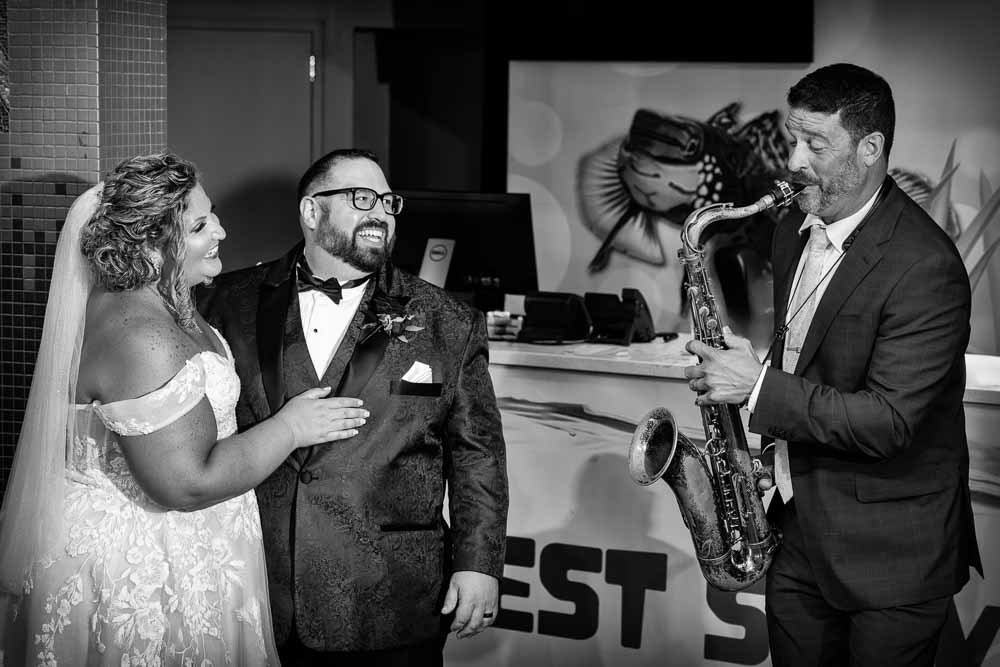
column 601, row 571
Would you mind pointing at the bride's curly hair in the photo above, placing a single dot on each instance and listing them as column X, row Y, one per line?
column 136, row 236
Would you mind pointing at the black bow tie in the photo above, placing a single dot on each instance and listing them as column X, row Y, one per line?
column 331, row 287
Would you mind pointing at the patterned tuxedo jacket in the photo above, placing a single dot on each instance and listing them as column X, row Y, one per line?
column 357, row 548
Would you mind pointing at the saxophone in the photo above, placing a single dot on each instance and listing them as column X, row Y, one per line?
column 716, row 488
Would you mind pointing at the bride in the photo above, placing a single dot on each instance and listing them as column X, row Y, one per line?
column 129, row 533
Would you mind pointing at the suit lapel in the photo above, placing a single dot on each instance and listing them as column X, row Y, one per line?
column 361, row 349
column 366, row 357
column 783, row 283
column 854, row 267
column 369, row 341
column 342, row 357
column 786, row 274
column 299, row 373
column 858, row 261
column 335, row 369
column 272, row 310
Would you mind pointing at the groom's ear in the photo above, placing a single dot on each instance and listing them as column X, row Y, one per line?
column 309, row 212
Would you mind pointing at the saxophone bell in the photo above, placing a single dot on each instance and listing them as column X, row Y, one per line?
column 731, row 557
column 653, row 446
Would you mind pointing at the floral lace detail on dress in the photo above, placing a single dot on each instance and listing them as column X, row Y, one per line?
column 138, row 585
column 159, row 408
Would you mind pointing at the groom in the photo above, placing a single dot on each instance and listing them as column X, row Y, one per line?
column 363, row 568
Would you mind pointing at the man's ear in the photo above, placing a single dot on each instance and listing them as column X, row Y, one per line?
column 309, row 212
column 870, row 148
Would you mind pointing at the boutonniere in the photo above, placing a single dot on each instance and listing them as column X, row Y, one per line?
column 389, row 316
column 400, row 327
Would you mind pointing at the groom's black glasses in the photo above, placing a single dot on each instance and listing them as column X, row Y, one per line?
column 364, row 199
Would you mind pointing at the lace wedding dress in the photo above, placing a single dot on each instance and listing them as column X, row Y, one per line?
column 131, row 583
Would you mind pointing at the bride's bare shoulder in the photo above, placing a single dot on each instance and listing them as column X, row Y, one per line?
column 131, row 346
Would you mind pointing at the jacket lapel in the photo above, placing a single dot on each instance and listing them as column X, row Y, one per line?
column 786, row 274
column 361, row 350
column 783, row 283
column 369, row 351
column 858, row 261
column 855, row 266
column 298, row 372
column 276, row 293
column 342, row 357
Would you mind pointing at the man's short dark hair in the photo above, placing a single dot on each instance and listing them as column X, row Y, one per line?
column 321, row 167
column 862, row 97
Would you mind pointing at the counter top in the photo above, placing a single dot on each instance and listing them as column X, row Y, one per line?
column 668, row 359
column 656, row 359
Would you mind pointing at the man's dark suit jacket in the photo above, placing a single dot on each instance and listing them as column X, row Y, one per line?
column 356, row 544
column 873, row 413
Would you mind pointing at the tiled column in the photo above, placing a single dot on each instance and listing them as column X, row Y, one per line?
column 87, row 89
column 133, row 79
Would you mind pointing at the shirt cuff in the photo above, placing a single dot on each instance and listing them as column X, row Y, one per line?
column 752, row 401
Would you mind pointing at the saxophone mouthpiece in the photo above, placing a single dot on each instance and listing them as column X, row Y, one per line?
column 782, row 193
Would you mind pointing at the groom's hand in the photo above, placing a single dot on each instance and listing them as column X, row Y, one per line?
column 474, row 597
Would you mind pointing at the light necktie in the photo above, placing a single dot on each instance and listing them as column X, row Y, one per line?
column 801, row 313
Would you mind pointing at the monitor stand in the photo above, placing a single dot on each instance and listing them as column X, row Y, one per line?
column 437, row 259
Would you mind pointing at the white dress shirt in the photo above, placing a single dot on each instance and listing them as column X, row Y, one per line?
column 325, row 322
column 837, row 232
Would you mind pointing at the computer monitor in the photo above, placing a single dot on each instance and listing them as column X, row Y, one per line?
column 478, row 246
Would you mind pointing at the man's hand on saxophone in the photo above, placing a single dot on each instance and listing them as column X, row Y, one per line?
column 729, row 376
column 723, row 376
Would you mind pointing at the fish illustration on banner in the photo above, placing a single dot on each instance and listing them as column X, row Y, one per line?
column 668, row 165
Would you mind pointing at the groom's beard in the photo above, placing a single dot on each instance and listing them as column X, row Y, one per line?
column 346, row 247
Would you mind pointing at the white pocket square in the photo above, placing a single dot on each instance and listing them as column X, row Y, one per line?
column 419, row 372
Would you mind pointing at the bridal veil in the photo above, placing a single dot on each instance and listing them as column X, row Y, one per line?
column 31, row 518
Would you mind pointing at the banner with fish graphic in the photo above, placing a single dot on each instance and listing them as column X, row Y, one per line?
column 615, row 156
column 666, row 167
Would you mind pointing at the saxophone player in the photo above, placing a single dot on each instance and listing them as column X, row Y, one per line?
column 862, row 397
